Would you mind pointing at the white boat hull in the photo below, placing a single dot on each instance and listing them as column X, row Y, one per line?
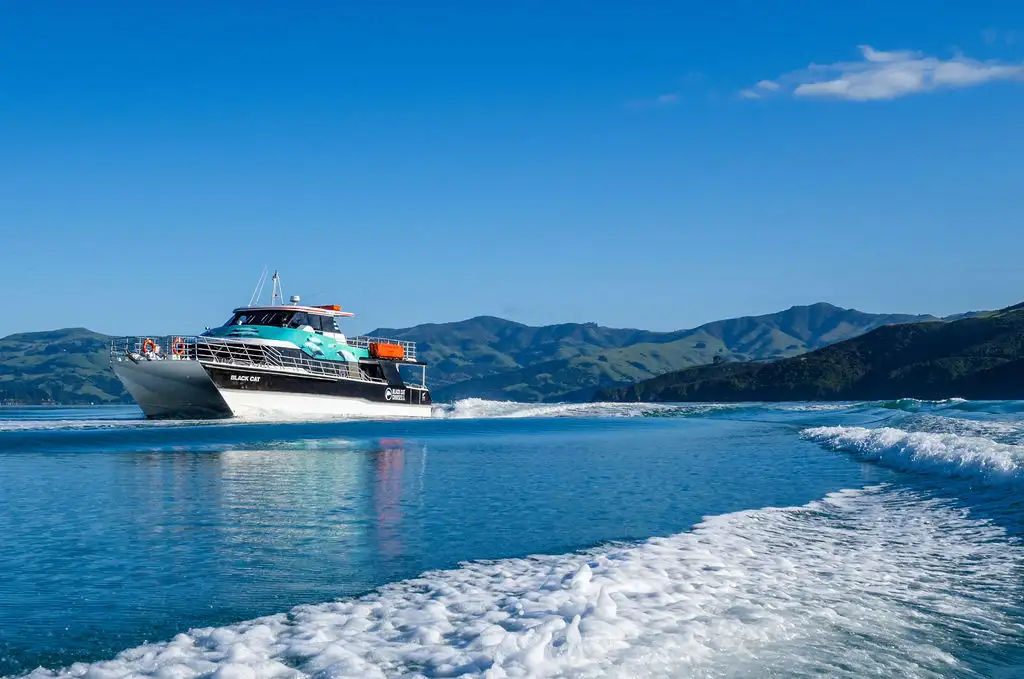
column 185, row 390
column 248, row 404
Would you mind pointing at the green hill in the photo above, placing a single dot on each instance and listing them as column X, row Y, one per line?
column 495, row 359
column 977, row 357
column 486, row 345
column 68, row 366
column 485, row 357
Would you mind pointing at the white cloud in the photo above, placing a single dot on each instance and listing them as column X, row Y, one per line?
column 885, row 75
column 874, row 55
column 756, row 90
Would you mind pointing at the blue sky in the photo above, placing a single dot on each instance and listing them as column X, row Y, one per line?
column 641, row 164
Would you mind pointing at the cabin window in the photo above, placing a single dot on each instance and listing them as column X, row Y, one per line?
column 328, row 325
column 264, row 317
column 284, row 319
column 299, row 319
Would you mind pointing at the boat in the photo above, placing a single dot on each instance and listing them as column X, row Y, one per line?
column 286, row 360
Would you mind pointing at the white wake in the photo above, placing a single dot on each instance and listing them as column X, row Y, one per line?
column 478, row 408
column 942, row 454
column 876, row 582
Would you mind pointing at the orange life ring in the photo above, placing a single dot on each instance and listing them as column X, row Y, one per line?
column 150, row 344
column 178, row 347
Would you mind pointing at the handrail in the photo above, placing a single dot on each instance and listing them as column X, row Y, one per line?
column 230, row 352
column 364, row 342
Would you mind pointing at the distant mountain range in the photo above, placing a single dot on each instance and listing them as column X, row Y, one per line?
column 978, row 356
column 492, row 358
column 483, row 357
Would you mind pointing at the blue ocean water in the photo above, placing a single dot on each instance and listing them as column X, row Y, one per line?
column 503, row 540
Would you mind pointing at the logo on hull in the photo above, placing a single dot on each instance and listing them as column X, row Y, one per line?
column 394, row 394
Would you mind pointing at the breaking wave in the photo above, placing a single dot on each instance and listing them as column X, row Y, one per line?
column 1000, row 430
column 880, row 581
column 942, row 454
column 483, row 408
column 916, row 404
column 474, row 408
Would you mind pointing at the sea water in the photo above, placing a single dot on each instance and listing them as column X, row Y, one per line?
column 517, row 540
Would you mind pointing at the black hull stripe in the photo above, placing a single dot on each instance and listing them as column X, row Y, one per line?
column 248, row 379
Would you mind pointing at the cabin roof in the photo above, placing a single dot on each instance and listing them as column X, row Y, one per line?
column 325, row 310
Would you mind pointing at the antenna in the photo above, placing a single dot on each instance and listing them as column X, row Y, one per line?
column 259, row 287
column 278, row 292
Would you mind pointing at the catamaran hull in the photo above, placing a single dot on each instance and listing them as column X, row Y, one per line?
column 191, row 390
column 172, row 389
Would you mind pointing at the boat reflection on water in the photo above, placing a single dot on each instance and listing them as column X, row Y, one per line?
column 326, row 494
column 387, row 496
column 276, row 523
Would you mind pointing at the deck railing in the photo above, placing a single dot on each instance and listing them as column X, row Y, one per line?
column 154, row 347
column 364, row 342
column 229, row 352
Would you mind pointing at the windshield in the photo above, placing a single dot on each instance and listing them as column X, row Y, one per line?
column 277, row 319
column 284, row 319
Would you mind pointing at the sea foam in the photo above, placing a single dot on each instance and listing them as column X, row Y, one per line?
column 478, row 408
column 943, row 454
column 879, row 582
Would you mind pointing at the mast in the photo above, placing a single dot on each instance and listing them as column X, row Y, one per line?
column 278, row 293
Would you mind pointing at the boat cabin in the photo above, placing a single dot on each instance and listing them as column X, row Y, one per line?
column 318, row 320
